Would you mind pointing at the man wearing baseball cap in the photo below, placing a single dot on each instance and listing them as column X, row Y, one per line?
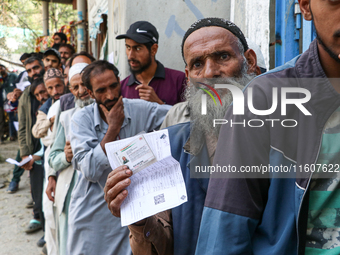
column 51, row 59
column 149, row 79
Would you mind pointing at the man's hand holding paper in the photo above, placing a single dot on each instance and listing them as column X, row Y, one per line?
column 156, row 188
column 115, row 188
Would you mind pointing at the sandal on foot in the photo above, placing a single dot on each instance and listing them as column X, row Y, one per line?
column 34, row 225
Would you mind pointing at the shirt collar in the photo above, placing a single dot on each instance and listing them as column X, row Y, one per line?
column 127, row 117
column 98, row 121
column 160, row 73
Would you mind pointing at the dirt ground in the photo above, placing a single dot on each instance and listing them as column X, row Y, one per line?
column 14, row 217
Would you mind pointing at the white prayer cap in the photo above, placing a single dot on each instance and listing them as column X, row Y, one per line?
column 259, row 55
column 76, row 69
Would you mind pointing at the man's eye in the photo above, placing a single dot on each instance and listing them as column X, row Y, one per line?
column 224, row 56
column 138, row 48
column 197, row 64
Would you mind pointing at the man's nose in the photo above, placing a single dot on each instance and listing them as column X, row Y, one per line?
column 110, row 95
column 82, row 90
column 130, row 54
column 211, row 69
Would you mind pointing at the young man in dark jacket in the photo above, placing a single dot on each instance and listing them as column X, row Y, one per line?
column 292, row 208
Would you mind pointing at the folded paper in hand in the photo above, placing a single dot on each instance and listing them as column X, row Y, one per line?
column 157, row 182
column 21, row 163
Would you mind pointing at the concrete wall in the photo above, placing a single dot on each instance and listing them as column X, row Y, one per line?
column 171, row 18
column 253, row 19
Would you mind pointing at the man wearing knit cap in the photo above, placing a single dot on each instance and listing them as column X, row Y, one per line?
column 149, row 79
column 47, row 119
column 61, row 155
column 215, row 52
column 54, row 82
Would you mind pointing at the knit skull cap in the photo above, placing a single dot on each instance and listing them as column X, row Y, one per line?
column 53, row 73
column 216, row 22
column 76, row 69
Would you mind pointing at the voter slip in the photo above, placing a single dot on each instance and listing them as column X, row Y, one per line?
column 155, row 187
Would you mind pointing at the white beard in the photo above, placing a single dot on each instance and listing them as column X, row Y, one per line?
column 202, row 125
column 82, row 103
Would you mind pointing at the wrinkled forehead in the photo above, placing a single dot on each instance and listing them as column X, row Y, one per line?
column 54, row 81
column 64, row 49
column 209, row 39
column 76, row 79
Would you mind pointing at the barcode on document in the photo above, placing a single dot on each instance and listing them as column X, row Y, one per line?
column 159, row 199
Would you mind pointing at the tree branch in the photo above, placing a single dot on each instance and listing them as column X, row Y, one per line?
column 23, row 22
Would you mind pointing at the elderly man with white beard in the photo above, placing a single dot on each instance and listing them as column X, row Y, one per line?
column 61, row 155
column 215, row 52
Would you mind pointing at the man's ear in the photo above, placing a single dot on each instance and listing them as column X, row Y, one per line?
column 90, row 93
column 305, row 9
column 154, row 49
column 187, row 73
column 250, row 55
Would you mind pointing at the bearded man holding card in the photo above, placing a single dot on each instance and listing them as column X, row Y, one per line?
column 91, row 225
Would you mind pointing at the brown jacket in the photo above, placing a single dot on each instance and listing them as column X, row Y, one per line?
column 25, row 138
column 155, row 237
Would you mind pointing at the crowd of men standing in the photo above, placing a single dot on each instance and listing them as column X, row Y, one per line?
column 75, row 104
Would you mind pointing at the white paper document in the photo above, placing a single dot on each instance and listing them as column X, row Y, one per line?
column 16, row 125
column 137, row 155
column 156, row 188
column 23, row 162
column 22, row 85
column 111, row 58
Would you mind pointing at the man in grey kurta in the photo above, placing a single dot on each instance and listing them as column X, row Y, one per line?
column 92, row 228
column 61, row 155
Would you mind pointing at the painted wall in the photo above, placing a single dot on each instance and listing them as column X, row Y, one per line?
column 171, row 18
column 253, row 19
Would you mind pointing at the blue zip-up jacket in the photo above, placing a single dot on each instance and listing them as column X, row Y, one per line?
column 268, row 215
column 186, row 218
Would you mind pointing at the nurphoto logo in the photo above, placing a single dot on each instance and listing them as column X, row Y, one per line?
column 239, row 104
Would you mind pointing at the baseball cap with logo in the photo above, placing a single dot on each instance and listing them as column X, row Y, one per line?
column 141, row 32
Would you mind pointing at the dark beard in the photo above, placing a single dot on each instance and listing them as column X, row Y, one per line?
column 36, row 76
column 332, row 54
column 143, row 67
column 106, row 102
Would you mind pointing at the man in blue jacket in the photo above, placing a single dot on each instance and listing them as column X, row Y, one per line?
column 222, row 58
column 245, row 213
